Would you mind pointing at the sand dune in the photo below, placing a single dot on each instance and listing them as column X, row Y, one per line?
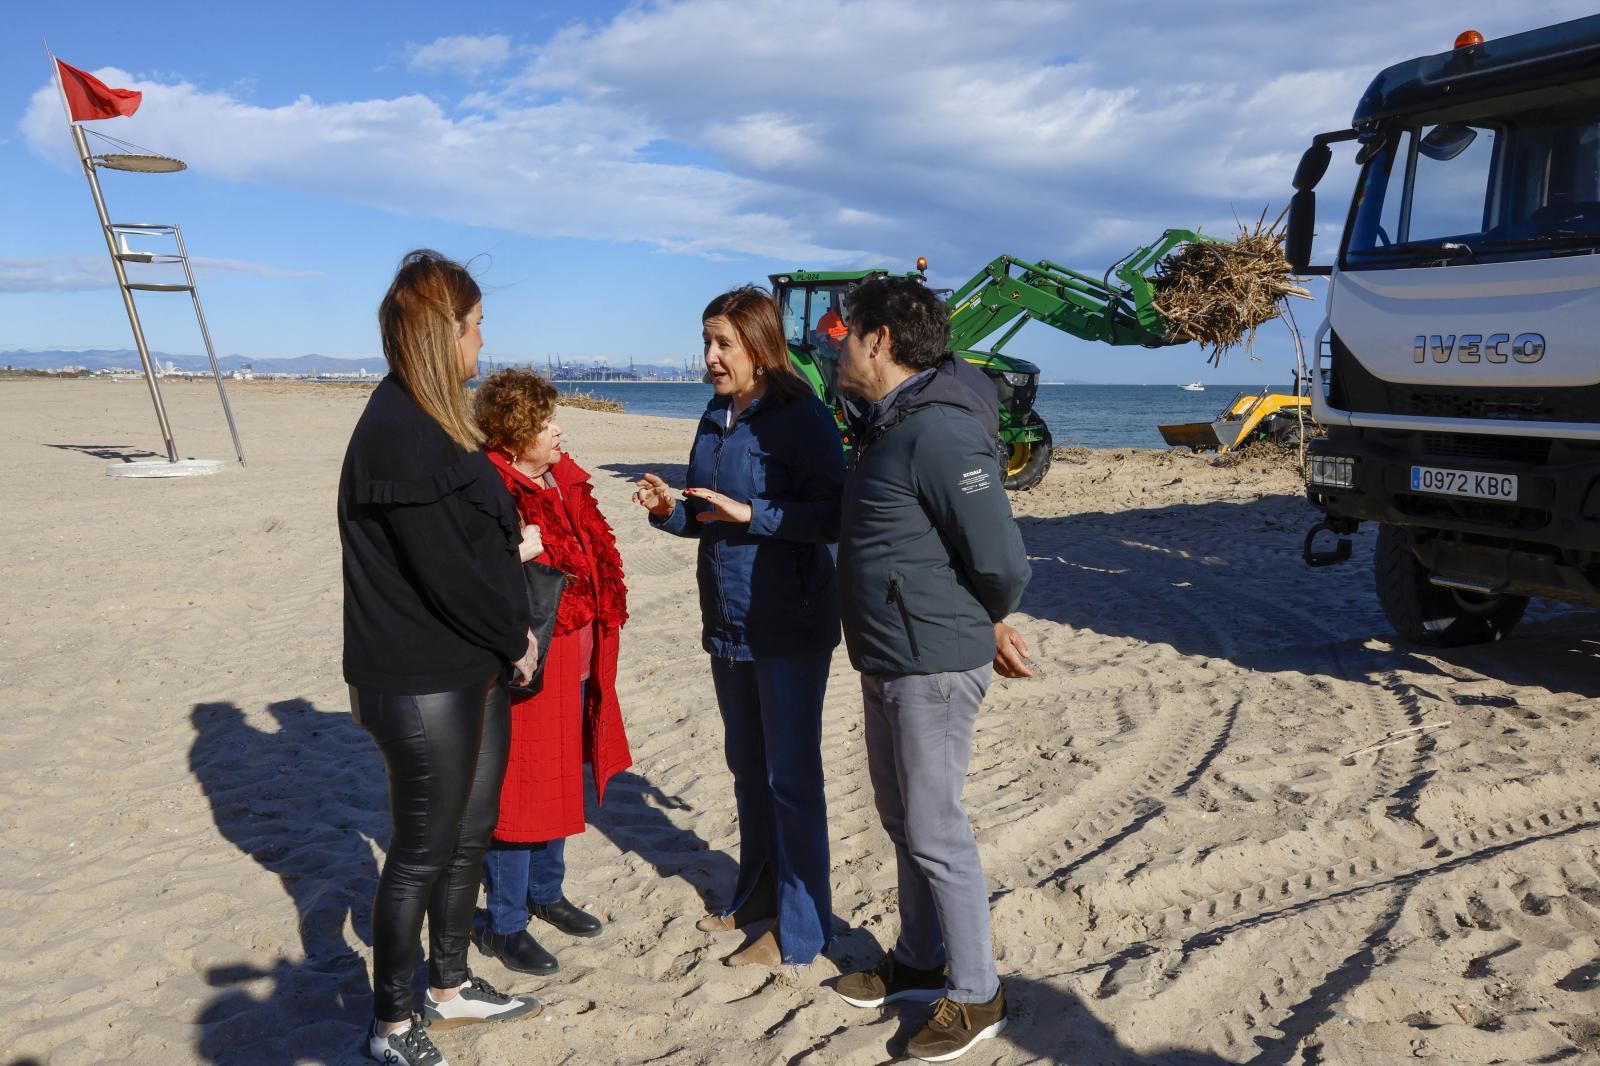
column 1187, row 868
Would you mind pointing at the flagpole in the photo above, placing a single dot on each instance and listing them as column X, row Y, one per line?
column 61, row 91
column 82, row 144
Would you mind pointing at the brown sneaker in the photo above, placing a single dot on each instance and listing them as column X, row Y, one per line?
column 955, row 1027
column 890, row 981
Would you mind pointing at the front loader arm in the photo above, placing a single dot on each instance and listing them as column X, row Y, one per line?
column 1009, row 292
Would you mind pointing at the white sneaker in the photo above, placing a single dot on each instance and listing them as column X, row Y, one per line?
column 408, row 1047
column 478, row 1001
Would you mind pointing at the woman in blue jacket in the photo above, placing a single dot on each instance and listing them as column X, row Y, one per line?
column 765, row 475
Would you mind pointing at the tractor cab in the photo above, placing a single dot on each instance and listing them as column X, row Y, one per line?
column 812, row 306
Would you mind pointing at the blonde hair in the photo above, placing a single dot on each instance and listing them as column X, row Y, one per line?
column 421, row 319
column 513, row 407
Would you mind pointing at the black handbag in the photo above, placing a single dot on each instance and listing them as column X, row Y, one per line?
column 544, row 585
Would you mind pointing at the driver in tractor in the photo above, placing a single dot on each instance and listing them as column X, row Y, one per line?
column 830, row 330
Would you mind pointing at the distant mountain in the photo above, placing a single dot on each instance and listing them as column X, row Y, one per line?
column 128, row 358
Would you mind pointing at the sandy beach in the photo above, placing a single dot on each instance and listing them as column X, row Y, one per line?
column 1196, row 852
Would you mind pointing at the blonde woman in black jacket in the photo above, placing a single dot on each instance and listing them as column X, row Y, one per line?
column 435, row 621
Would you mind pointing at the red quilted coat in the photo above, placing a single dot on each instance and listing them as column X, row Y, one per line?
column 554, row 733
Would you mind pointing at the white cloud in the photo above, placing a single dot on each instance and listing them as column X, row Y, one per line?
column 840, row 131
column 468, row 57
column 88, row 273
column 66, row 274
column 763, row 142
column 570, row 168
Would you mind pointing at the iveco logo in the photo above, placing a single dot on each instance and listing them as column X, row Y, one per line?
column 1477, row 348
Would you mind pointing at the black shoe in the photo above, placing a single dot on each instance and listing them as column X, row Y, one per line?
column 568, row 918
column 516, row 951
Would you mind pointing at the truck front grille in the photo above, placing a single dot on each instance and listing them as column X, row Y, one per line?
column 1471, row 446
column 1442, row 404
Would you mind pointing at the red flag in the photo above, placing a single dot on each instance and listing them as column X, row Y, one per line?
column 90, row 98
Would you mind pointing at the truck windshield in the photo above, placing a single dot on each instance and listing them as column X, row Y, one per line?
column 1501, row 186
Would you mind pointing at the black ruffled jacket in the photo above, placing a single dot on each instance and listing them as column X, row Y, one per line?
column 433, row 590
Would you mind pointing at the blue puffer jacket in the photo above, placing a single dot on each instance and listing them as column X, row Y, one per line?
column 767, row 589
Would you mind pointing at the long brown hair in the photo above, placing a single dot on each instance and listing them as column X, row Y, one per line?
column 421, row 319
column 753, row 313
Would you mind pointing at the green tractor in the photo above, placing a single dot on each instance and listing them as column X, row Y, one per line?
column 1001, row 298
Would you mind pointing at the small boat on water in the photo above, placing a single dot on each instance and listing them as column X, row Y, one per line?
column 1193, row 386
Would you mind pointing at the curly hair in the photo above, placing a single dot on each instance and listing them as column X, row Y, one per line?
column 513, row 407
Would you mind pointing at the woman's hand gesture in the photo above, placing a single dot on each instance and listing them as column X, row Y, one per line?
column 654, row 495
column 723, row 508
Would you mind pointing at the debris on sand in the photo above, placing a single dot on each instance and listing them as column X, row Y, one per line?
column 588, row 401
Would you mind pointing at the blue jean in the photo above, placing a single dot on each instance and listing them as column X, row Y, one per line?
column 772, row 729
column 519, row 877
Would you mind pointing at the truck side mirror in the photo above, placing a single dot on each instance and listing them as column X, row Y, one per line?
column 1301, row 228
column 1313, row 165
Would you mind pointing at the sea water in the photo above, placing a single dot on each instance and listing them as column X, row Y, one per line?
column 1090, row 416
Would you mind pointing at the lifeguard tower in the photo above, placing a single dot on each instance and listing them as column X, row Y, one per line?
column 146, row 244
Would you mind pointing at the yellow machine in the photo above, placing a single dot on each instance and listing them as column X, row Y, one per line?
column 1274, row 416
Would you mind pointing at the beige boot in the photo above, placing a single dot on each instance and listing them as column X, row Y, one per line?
column 762, row 951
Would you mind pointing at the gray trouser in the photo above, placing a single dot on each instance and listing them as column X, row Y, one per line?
column 919, row 740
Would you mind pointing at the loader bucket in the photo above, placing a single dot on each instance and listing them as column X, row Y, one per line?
column 1199, row 436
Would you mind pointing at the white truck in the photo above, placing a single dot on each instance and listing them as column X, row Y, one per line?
column 1458, row 367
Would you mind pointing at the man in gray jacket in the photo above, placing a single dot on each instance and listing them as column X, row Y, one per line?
column 930, row 563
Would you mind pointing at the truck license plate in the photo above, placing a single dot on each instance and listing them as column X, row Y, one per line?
column 1463, row 483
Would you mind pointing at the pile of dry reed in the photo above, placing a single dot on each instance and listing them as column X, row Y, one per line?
column 588, row 401
column 1220, row 294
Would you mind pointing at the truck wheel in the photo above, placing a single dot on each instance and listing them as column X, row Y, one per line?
column 1026, row 461
column 1424, row 613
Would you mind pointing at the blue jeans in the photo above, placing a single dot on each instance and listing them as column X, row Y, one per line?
column 519, row 877
column 772, row 726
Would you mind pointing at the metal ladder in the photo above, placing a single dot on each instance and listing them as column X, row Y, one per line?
column 117, row 236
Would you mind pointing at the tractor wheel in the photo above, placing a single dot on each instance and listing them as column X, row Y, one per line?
column 1424, row 613
column 1026, row 461
column 1287, row 432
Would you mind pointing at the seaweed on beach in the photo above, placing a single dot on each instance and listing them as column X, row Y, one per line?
column 588, row 401
column 1220, row 293
column 1261, row 453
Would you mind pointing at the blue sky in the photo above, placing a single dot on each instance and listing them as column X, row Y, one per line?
column 608, row 168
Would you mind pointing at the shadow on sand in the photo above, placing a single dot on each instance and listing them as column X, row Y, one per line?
column 1230, row 584
column 635, row 820
column 124, row 453
column 673, row 474
column 307, row 801
column 1052, row 1024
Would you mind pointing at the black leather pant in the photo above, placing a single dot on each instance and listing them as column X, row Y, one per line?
column 445, row 753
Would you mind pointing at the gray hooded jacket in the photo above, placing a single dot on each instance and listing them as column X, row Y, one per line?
column 929, row 556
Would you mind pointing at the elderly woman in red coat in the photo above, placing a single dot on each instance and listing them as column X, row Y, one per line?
column 575, row 718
